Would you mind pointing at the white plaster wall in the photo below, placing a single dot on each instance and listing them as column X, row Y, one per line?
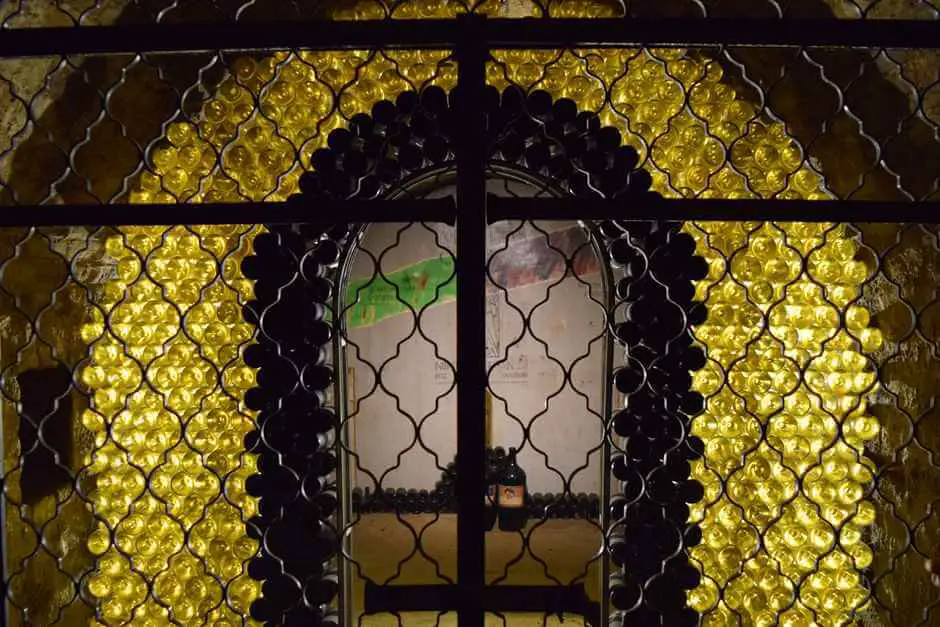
column 416, row 380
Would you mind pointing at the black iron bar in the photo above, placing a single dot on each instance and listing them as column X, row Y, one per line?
column 711, row 209
column 444, row 210
column 470, row 268
column 328, row 212
column 496, row 33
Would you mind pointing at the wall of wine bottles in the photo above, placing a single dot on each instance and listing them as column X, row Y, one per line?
column 770, row 417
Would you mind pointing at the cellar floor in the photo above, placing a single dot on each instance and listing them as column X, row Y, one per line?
column 384, row 547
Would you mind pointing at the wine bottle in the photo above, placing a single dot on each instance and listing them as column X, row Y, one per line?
column 692, row 536
column 434, row 100
column 424, row 502
column 630, row 377
column 618, row 507
column 681, row 617
column 316, row 377
column 539, row 103
column 411, row 502
column 319, row 333
column 273, row 267
column 594, row 507
column 620, row 550
column 264, row 567
column 512, row 147
column 436, row 148
column 323, row 161
column 361, row 125
column 663, row 593
column 582, row 509
column 490, row 514
column 321, row 590
column 626, row 158
column 326, row 503
column 369, row 187
column 624, row 592
column 538, row 505
column 536, row 157
column 511, row 495
column 323, row 462
column 410, row 157
column 384, row 112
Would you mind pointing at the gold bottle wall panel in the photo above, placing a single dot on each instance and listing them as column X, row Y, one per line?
column 787, row 446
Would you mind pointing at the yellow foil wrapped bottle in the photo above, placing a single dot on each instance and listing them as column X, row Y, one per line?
column 167, row 413
column 785, row 423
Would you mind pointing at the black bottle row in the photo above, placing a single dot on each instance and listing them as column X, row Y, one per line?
column 650, row 534
column 295, row 431
column 412, row 501
column 530, row 130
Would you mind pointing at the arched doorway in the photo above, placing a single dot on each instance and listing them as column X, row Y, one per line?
column 523, row 129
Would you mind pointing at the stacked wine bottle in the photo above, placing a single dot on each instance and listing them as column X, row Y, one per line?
column 295, row 435
column 443, row 497
column 649, row 534
column 576, row 153
column 539, row 505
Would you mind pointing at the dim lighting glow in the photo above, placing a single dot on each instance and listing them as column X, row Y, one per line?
column 169, row 461
column 776, row 309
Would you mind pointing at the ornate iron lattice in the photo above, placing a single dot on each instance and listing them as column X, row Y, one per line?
column 817, row 427
column 65, row 13
column 405, row 139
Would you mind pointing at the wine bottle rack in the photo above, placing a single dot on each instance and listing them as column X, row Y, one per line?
column 192, row 471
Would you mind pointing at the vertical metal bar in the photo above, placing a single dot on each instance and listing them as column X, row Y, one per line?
column 343, row 467
column 607, row 285
column 4, row 611
column 344, row 486
column 470, row 148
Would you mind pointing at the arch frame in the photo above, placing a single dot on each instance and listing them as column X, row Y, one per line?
column 522, row 141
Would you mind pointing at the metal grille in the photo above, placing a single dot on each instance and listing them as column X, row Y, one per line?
column 66, row 13
column 132, row 502
column 739, row 122
column 180, row 435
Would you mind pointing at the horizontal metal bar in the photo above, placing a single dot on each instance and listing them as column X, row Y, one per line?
column 306, row 211
column 710, row 209
column 494, row 33
column 444, row 210
column 506, row 33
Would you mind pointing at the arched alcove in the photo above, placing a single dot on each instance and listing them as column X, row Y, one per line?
column 718, row 243
column 255, row 144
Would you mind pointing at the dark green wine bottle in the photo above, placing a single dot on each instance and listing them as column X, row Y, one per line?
column 511, row 490
column 490, row 497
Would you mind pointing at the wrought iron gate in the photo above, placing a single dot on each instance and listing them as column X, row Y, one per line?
column 742, row 481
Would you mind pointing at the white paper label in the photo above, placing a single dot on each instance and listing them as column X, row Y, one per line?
column 511, row 496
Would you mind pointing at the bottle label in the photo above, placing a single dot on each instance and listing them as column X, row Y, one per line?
column 511, row 496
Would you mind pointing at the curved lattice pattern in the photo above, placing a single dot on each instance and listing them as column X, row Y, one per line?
column 786, row 425
column 678, row 134
column 168, row 416
column 820, row 341
column 66, row 13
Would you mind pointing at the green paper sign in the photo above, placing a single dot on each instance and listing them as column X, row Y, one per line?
column 373, row 299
